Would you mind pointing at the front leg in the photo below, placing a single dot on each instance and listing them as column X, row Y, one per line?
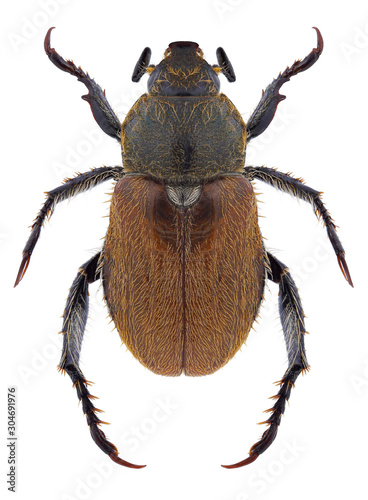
column 70, row 188
column 101, row 109
column 266, row 108
column 297, row 188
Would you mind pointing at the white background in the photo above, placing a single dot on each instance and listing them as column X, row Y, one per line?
column 319, row 133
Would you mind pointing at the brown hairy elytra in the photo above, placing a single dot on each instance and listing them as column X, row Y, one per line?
column 183, row 264
column 183, row 286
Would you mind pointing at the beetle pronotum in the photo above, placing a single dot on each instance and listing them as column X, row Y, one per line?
column 183, row 264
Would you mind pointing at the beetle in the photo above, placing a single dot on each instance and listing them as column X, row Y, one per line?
column 183, row 264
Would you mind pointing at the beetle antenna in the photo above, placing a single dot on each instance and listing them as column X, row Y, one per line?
column 141, row 66
column 225, row 65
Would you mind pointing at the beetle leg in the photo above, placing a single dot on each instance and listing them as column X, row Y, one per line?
column 266, row 108
column 71, row 187
column 292, row 320
column 297, row 188
column 101, row 109
column 75, row 319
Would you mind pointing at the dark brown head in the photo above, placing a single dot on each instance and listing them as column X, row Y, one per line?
column 183, row 71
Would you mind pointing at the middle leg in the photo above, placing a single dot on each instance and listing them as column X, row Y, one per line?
column 296, row 187
column 70, row 188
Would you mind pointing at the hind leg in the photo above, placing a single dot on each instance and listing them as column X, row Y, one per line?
column 292, row 320
column 75, row 319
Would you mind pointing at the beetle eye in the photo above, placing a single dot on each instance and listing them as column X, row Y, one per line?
column 141, row 66
column 225, row 64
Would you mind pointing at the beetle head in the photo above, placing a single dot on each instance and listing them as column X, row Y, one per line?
column 183, row 71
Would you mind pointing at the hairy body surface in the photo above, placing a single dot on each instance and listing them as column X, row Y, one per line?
column 186, row 139
column 183, row 284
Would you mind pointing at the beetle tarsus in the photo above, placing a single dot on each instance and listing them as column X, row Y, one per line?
column 59, row 61
column 277, row 411
column 101, row 109
column 344, row 268
column 100, row 439
column 120, row 461
column 266, row 108
column 252, row 457
column 22, row 268
column 93, row 421
column 307, row 62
